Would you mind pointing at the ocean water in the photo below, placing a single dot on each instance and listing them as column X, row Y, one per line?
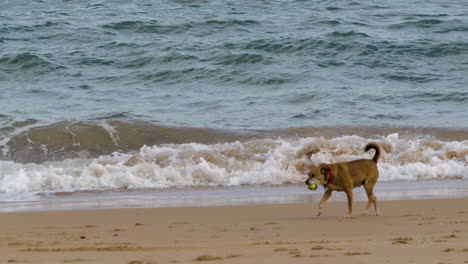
column 106, row 95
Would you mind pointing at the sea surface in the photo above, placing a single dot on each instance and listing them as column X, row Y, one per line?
column 156, row 95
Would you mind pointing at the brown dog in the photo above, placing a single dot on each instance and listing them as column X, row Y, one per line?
column 345, row 176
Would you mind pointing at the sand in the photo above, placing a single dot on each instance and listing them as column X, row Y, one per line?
column 417, row 231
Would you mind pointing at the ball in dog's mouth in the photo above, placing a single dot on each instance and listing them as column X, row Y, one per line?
column 312, row 186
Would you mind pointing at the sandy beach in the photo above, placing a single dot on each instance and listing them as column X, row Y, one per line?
column 417, row 231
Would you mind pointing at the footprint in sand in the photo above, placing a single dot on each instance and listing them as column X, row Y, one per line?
column 207, row 258
column 428, row 223
column 449, row 236
column 296, row 253
column 74, row 260
column 444, row 238
column 317, row 248
column 402, row 240
column 281, row 249
column 142, row 261
column 214, row 258
column 356, row 253
column 454, row 250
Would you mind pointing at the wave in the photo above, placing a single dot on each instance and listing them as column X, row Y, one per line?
column 36, row 27
column 348, row 34
column 410, row 77
column 431, row 23
column 331, row 46
column 422, row 23
column 153, row 27
column 243, row 58
column 251, row 162
column 73, row 156
column 455, row 97
column 33, row 141
column 156, row 60
column 27, row 62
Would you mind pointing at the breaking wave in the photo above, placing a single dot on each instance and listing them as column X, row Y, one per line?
column 256, row 161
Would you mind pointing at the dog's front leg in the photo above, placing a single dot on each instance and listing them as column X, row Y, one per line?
column 349, row 193
column 325, row 198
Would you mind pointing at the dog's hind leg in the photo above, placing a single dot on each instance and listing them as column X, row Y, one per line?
column 349, row 193
column 325, row 198
column 369, row 187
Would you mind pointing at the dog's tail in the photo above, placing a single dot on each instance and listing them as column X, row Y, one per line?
column 375, row 146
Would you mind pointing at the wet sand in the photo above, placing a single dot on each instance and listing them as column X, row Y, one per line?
column 223, row 196
column 408, row 231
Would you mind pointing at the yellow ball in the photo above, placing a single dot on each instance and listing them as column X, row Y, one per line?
column 312, row 186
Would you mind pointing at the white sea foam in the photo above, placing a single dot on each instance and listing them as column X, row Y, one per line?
column 112, row 132
column 256, row 162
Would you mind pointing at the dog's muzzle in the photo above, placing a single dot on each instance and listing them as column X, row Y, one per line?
column 309, row 182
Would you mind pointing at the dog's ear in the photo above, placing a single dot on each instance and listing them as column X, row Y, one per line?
column 324, row 171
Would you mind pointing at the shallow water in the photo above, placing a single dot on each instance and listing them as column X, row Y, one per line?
column 244, row 195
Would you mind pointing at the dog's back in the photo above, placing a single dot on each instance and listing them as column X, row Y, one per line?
column 362, row 170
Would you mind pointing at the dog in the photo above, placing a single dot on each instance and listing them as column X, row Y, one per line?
column 345, row 176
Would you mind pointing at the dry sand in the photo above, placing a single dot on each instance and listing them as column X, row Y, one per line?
column 418, row 231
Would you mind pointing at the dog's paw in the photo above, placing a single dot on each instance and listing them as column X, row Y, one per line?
column 368, row 214
column 347, row 216
column 319, row 213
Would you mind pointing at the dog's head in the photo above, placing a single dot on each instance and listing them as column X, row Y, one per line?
column 318, row 175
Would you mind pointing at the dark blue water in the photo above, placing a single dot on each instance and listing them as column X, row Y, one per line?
column 236, row 65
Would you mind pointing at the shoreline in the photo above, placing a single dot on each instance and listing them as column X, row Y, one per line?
column 408, row 231
column 223, row 196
